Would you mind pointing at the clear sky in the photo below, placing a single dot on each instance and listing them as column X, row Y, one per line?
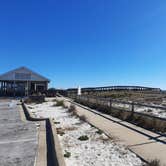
column 86, row 42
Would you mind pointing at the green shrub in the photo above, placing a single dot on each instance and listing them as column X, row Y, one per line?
column 83, row 138
column 57, row 122
column 99, row 132
column 67, row 154
column 60, row 103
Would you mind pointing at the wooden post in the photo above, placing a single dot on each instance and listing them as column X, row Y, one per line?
column 132, row 108
column 14, row 88
column 5, row 87
column 1, row 84
column 26, row 88
column 110, row 104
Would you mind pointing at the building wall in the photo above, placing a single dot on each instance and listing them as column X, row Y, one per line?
column 22, row 88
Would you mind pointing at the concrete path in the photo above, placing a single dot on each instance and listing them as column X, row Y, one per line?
column 144, row 143
column 18, row 139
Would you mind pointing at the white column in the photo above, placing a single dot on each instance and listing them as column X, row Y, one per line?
column 79, row 91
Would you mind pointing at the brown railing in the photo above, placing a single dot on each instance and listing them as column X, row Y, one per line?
column 127, row 111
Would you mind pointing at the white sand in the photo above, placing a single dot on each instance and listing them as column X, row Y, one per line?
column 99, row 150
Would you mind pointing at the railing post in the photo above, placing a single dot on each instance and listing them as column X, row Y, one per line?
column 88, row 99
column 132, row 108
column 111, row 105
column 78, row 98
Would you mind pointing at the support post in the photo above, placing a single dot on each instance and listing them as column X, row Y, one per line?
column 132, row 108
column 27, row 89
column 35, row 87
column 111, row 105
column 14, row 88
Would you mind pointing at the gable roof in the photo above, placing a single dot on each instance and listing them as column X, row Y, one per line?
column 22, row 74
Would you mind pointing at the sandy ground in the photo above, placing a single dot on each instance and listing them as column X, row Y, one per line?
column 18, row 140
column 98, row 150
column 150, row 111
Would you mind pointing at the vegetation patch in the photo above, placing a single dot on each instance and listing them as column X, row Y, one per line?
column 153, row 163
column 83, row 118
column 73, row 110
column 83, row 138
column 70, row 128
column 30, row 107
column 99, row 132
column 60, row 131
column 56, row 122
column 60, row 103
column 149, row 110
column 67, row 154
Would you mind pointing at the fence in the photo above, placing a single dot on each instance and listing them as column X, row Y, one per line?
column 126, row 111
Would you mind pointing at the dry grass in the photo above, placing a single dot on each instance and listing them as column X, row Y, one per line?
column 60, row 103
column 153, row 163
column 70, row 128
column 83, row 118
column 99, row 132
column 72, row 109
column 60, row 131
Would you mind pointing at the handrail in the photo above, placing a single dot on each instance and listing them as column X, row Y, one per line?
column 124, row 102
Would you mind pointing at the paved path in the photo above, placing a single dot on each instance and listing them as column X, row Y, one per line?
column 18, row 139
column 144, row 143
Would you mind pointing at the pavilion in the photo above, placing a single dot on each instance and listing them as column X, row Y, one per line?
column 22, row 82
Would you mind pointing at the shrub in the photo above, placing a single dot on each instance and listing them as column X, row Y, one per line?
column 60, row 103
column 73, row 110
column 57, row 122
column 149, row 110
column 83, row 138
column 83, row 118
column 67, row 154
column 153, row 163
column 70, row 128
column 30, row 107
column 99, row 132
column 60, row 131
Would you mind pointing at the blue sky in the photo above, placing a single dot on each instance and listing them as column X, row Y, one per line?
column 86, row 42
